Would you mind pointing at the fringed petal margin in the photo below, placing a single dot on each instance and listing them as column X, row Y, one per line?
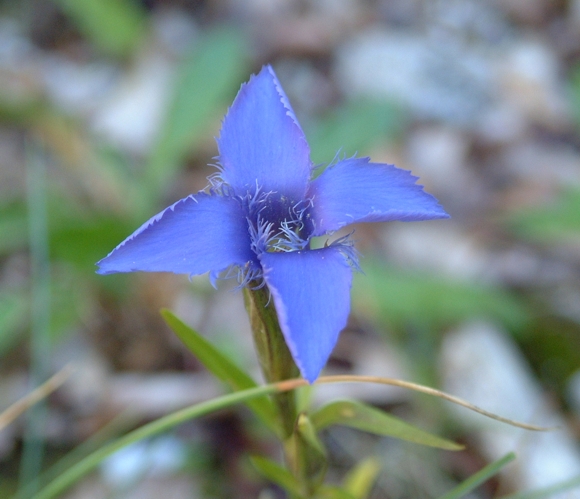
column 311, row 292
column 196, row 235
column 355, row 190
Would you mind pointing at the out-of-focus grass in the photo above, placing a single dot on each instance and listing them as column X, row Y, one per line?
column 556, row 221
column 400, row 299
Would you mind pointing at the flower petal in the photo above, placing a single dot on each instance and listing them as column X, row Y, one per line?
column 311, row 292
column 261, row 142
column 355, row 190
column 195, row 235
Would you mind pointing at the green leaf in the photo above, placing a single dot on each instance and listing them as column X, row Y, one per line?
column 208, row 79
column 362, row 477
column 14, row 312
column 478, row 478
column 275, row 473
column 559, row 219
column 333, row 492
column 71, row 300
column 546, row 492
column 82, row 239
column 353, row 128
column 13, row 227
column 89, row 463
column 575, row 93
column 366, row 418
column 114, row 26
column 399, row 298
column 310, row 453
column 221, row 367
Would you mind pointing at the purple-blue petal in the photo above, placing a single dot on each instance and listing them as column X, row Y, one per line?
column 195, row 235
column 311, row 292
column 261, row 143
column 355, row 190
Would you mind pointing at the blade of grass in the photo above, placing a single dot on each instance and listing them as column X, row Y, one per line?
column 221, row 367
column 35, row 396
column 89, row 463
column 478, row 478
column 32, row 454
column 546, row 492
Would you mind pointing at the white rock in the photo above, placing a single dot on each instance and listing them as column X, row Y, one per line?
column 437, row 246
column 482, row 365
column 130, row 117
column 77, row 88
column 175, row 29
column 529, row 74
column 150, row 395
column 438, row 155
column 434, row 80
column 547, row 165
column 157, row 457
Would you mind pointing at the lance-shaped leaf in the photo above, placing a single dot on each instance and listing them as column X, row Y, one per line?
column 114, row 26
column 206, row 80
column 276, row 474
column 221, row 367
column 366, row 418
column 478, row 478
column 310, row 453
column 362, row 477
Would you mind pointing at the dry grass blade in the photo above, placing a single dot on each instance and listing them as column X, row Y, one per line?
column 291, row 384
column 21, row 406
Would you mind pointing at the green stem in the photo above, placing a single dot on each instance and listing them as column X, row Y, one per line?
column 275, row 359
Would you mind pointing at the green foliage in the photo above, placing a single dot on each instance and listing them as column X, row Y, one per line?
column 89, row 463
column 310, row 454
column 332, row 492
column 81, row 239
column 575, row 92
column 478, row 478
column 558, row 220
column 207, row 79
column 547, row 492
column 362, row 477
column 366, row 418
column 401, row 298
column 116, row 27
column 276, row 474
column 221, row 367
column 13, row 226
column 353, row 128
column 14, row 312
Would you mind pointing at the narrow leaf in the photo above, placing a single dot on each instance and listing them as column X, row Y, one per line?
column 221, row 367
column 13, row 219
column 478, row 478
column 276, row 474
column 366, row 418
column 546, row 492
column 14, row 312
column 89, row 463
column 558, row 220
column 207, row 80
column 310, row 453
column 362, row 477
column 353, row 128
column 399, row 298
column 333, row 492
column 114, row 26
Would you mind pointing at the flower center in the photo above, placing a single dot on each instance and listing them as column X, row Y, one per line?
column 278, row 223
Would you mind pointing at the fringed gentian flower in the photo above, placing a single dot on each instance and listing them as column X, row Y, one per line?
column 261, row 210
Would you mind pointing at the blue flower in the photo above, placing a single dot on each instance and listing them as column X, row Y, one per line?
column 257, row 217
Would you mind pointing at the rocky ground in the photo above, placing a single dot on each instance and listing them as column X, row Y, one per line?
column 479, row 98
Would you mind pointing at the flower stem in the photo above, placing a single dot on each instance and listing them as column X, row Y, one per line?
column 275, row 359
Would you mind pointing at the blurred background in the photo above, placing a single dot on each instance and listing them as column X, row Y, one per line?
column 108, row 113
